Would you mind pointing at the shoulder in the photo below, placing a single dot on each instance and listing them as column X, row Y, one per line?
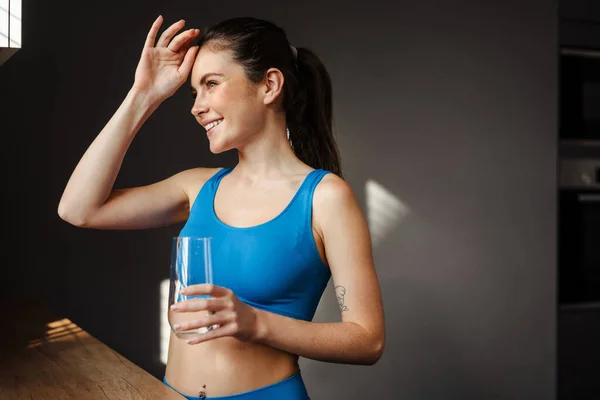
column 192, row 180
column 194, row 174
column 333, row 199
column 333, row 191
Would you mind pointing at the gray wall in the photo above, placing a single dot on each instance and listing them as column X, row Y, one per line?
column 449, row 106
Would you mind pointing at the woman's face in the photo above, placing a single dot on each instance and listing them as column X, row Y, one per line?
column 226, row 103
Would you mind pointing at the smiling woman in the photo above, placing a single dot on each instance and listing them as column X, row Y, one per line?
column 283, row 222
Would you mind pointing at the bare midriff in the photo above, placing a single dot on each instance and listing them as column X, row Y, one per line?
column 225, row 366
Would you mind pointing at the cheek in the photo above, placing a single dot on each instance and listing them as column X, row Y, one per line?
column 226, row 102
column 242, row 108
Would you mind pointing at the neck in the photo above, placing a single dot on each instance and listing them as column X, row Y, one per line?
column 269, row 154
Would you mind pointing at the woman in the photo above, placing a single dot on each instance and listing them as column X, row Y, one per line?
column 285, row 218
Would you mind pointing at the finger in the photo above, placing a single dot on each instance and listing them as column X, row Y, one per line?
column 153, row 32
column 183, row 39
column 202, row 305
column 220, row 319
column 205, row 288
column 225, row 330
column 188, row 62
column 168, row 34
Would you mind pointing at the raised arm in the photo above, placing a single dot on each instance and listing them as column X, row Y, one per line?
column 89, row 199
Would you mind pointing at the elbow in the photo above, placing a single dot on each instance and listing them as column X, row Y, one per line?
column 373, row 343
column 376, row 352
column 71, row 218
column 373, row 352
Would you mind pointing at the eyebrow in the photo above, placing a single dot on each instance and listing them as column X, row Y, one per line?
column 205, row 77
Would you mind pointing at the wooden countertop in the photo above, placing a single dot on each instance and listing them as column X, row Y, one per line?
column 46, row 356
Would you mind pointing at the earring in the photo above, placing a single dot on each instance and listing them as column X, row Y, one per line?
column 287, row 131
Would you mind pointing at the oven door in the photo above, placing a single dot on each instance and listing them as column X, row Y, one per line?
column 579, row 231
column 579, row 94
column 579, row 247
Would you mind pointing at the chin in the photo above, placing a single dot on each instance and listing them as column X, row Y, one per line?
column 217, row 151
column 218, row 147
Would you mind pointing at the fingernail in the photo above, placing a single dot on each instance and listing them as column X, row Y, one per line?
column 174, row 307
column 176, row 326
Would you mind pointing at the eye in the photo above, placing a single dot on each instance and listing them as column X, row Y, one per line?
column 211, row 84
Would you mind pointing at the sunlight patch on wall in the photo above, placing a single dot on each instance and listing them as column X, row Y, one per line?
column 385, row 211
column 165, row 329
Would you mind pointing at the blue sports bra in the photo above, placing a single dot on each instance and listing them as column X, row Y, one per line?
column 274, row 266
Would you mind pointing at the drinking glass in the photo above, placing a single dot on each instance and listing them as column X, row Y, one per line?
column 191, row 264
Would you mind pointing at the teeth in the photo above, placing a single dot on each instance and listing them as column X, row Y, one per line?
column 213, row 124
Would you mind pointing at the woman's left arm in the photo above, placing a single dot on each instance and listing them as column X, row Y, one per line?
column 360, row 337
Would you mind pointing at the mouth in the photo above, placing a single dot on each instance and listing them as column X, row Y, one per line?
column 210, row 127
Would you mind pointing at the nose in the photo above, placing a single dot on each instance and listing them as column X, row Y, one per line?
column 199, row 107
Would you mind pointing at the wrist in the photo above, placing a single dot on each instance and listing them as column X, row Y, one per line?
column 143, row 99
column 260, row 326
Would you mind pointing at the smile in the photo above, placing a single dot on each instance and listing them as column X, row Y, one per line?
column 212, row 125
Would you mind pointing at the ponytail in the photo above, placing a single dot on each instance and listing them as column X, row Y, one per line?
column 309, row 114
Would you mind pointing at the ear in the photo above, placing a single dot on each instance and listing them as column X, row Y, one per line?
column 273, row 85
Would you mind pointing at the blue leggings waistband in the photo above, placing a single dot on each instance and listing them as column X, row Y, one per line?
column 291, row 388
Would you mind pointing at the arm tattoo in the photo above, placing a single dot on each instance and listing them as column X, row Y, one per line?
column 340, row 292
